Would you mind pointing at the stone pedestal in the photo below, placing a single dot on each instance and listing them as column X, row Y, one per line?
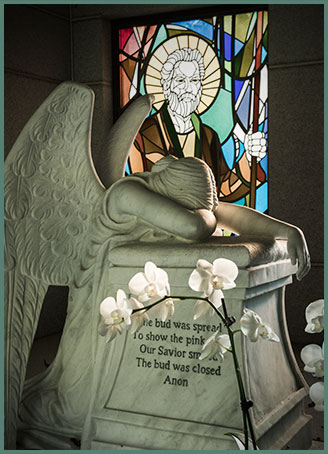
column 150, row 390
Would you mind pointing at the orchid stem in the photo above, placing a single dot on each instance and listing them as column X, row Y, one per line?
column 227, row 321
column 243, row 399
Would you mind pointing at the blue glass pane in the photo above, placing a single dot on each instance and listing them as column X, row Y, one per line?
column 243, row 110
column 228, row 150
column 127, row 169
column 238, row 87
column 265, row 128
column 218, row 43
column 264, row 53
column 241, row 202
column 261, row 202
column 238, row 46
column 264, row 164
column 241, row 150
column 198, row 26
column 227, row 46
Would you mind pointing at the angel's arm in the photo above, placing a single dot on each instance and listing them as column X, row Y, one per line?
column 132, row 198
column 246, row 221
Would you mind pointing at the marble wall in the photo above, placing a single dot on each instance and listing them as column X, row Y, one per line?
column 47, row 44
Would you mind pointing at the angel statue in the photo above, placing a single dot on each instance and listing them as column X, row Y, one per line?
column 61, row 222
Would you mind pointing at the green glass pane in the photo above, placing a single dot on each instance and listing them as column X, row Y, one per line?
column 265, row 39
column 142, row 86
column 227, row 82
column 219, row 117
column 161, row 36
column 237, row 63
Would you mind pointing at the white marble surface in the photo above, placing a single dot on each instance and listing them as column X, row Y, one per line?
column 140, row 399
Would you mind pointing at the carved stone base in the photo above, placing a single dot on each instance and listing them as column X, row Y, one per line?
column 151, row 391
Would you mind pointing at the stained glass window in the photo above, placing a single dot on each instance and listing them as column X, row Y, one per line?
column 209, row 77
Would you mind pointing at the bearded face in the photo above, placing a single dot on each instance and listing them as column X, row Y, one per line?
column 185, row 89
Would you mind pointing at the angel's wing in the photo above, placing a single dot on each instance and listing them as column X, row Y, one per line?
column 50, row 190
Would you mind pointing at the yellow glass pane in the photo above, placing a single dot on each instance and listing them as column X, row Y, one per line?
column 157, row 104
column 183, row 41
column 214, row 76
column 207, row 100
column 201, row 107
column 227, row 65
column 251, row 25
column 153, row 81
column 193, row 41
column 242, row 24
column 248, row 56
column 211, row 91
column 202, row 45
column 159, row 98
column 208, row 56
column 171, row 45
column 265, row 21
column 154, row 72
column 228, row 24
column 208, row 85
column 213, row 66
column 161, row 54
column 155, row 63
column 152, row 89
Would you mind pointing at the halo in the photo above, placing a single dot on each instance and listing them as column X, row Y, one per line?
column 211, row 79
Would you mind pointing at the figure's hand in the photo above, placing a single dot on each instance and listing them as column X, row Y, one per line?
column 298, row 250
column 255, row 145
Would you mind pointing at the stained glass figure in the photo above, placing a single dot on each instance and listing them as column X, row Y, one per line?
column 210, row 82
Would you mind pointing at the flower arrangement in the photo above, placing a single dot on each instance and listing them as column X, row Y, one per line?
column 151, row 294
column 312, row 355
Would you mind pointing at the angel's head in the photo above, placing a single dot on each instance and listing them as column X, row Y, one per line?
column 188, row 181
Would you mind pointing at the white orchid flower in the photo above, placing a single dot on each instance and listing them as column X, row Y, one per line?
column 163, row 310
column 314, row 314
column 202, row 308
column 317, row 393
column 137, row 318
column 211, row 279
column 253, row 327
column 151, row 283
column 216, row 345
column 313, row 357
column 115, row 314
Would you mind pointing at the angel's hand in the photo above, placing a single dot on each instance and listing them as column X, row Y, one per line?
column 298, row 251
column 255, row 145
